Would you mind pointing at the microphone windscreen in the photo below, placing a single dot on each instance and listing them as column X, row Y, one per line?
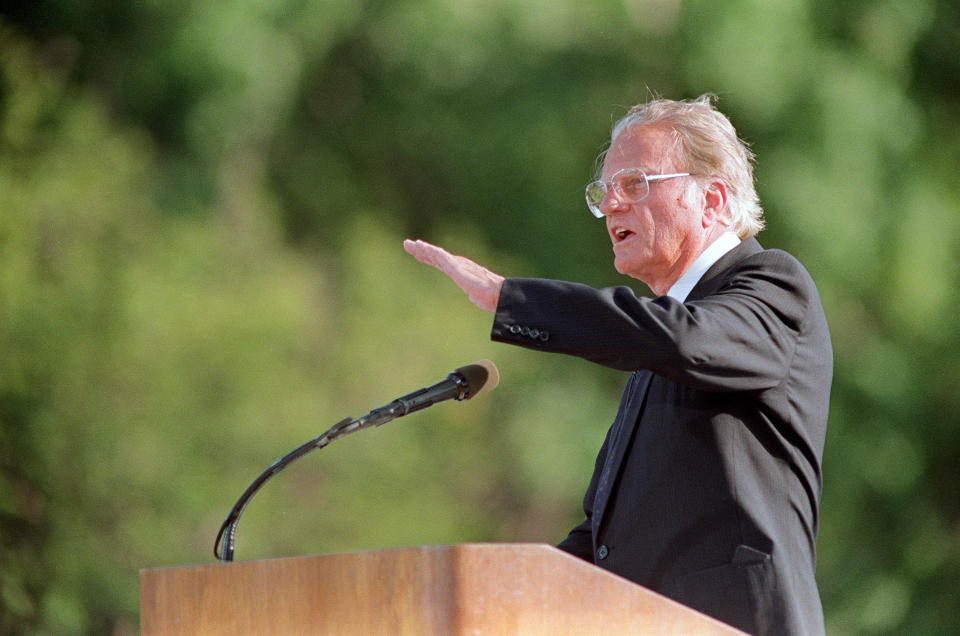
column 481, row 376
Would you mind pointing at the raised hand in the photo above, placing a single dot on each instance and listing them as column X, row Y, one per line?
column 480, row 285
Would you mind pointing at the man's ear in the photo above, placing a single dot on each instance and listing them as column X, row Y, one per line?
column 715, row 203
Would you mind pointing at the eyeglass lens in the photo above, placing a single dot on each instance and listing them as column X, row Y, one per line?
column 631, row 185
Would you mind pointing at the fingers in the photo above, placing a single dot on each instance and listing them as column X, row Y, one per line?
column 456, row 267
column 427, row 253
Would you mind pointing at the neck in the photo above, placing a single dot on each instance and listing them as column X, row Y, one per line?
column 688, row 254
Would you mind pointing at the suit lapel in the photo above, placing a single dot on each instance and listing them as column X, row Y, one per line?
column 624, row 427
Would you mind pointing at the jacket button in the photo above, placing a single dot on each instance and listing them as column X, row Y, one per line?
column 602, row 552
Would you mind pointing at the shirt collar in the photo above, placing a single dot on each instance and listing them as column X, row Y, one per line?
column 724, row 243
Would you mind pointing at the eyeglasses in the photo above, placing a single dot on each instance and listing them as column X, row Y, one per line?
column 630, row 185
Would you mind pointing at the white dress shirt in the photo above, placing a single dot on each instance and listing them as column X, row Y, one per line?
column 724, row 243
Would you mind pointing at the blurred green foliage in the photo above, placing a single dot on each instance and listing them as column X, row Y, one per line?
column 200, row 269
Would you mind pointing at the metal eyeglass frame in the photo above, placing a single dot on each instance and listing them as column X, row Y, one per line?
column 614, row 182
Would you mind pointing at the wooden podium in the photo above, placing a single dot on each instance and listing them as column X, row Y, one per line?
column 463, row 589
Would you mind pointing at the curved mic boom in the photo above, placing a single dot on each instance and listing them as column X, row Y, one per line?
column 462, row 384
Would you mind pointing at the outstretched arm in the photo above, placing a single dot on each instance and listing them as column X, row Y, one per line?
column 480, row 285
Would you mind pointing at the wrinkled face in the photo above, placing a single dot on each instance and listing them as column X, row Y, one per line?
column 655, row 239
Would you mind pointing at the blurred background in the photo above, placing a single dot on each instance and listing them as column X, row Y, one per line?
column 202, row 205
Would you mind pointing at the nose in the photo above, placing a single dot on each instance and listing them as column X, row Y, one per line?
column 611, row 203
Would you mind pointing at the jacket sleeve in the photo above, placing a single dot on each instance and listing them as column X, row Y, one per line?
column 741, row 336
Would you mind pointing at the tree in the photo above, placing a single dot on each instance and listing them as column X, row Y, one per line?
column 203, row 208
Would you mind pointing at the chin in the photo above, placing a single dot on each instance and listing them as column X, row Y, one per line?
column 629, row 268
column 623, row 267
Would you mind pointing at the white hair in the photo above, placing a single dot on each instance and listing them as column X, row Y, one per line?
column 709, row 147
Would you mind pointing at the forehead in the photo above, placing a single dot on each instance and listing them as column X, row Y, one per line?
column 646, row 147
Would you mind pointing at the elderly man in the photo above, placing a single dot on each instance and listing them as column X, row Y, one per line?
column 707, row 486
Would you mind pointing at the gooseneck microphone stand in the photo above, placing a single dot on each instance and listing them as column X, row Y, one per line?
column 225, row 544
column 462, row 384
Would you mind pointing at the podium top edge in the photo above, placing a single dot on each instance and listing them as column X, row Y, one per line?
column 473, row 546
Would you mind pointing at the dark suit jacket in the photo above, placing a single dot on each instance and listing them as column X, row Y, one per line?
column 721, row 427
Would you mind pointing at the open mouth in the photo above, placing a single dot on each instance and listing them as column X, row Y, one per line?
column 621, row 234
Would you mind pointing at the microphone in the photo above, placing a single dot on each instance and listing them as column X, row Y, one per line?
column 461, row 384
